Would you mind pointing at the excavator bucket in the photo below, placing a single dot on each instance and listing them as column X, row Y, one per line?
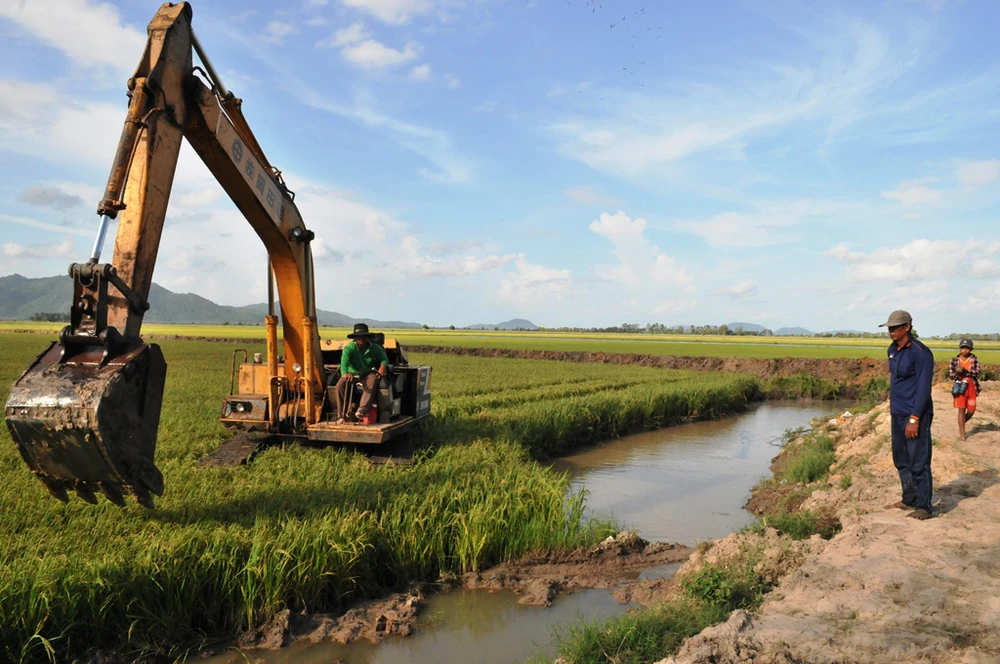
column 88, row 424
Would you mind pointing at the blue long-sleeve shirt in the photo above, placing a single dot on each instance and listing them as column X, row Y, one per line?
column 911, row 370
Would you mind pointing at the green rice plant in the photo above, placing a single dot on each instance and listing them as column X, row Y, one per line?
column 638, row 637
column 807, row 461
column 648, row 635
column 874, row 392
column 652, row 344
column 308, row 529
column 801, row 385
column 728, row 587
column 803, row 524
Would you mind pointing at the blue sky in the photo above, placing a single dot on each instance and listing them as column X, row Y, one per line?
column 570, row 162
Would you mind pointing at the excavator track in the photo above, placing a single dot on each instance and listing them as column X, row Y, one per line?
column 236, row 451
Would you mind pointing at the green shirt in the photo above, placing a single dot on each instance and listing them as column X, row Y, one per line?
column 354, row 360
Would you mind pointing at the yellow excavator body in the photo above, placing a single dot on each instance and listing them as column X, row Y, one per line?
column 84, row 415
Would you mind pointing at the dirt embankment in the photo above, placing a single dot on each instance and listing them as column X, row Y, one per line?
column 835, row 369
column 888, row 588
column 842, row 371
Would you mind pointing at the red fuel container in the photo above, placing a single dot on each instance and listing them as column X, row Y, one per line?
column 372, row 416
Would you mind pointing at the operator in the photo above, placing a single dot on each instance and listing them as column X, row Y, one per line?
column 911, row 410
column 364, row 360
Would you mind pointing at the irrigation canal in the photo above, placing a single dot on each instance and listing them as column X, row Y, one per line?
column 683, row 484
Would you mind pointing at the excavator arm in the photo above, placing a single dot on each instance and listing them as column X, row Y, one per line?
column 85, row 414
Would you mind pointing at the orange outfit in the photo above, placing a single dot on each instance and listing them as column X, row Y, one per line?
column 967, row 400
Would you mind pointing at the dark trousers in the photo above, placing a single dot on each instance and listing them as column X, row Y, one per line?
column 912, row 459
column 344, row 392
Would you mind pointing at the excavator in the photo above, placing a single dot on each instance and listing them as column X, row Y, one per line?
column 85, row 413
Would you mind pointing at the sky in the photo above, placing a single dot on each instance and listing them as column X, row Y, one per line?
column 571, row 162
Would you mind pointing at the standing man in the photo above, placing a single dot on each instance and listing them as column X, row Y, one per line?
column 965, row 366
column 911, row 370
column 361, row 359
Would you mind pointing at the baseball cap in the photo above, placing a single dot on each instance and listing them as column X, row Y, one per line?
column 965, row 343
column 898, row 317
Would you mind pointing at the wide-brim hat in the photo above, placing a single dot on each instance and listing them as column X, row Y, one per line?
column 898, row 317
column 360, row 330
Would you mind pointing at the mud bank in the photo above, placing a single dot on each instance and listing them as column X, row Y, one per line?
column 538, row 580
column 849, row 374
column 887, row 588
column 835, row 369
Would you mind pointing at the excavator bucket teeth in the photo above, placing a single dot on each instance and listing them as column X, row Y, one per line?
column 89, row 426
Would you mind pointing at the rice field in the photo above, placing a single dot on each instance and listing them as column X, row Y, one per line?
column 683, row 345
column 312, row 528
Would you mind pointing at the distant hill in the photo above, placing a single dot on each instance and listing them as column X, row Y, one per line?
column 792, row 332
column 512, row 324
column 746, row 327
column 21, row 298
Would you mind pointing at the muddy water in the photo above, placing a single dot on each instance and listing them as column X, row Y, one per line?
column 688, row 483
column 683, row 484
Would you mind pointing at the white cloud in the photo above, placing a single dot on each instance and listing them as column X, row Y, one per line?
column 420, row 73
column 768, row 223
column 985, row 299
column 276, row 31
column 588, row 196
column 451, row 247
column 371, row 54
column 352, row 34
column 734, row 229
column 534, row 286
column 359, row 48
column 744, row 290
column 89, row 34
column 920, row 260
column 912, row 193
column 183, row 199
column 974, row 174
column 673, row 307
column 60, row 250
column 848, row 81
column 640, row 262
column 394, row 12
column 432, row 144
column 56, row 228
column 453, row 81
column 42, row 125
column 50, row 196
column 386, row 242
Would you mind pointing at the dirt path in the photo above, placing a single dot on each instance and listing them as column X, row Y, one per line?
column 888, row 588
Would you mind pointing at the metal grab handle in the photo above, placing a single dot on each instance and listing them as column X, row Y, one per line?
column 232, row 372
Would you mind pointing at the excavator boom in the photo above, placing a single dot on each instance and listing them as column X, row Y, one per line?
column 84, row 415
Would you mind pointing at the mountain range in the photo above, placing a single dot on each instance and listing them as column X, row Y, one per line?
column 512, row 324
column 21, row 298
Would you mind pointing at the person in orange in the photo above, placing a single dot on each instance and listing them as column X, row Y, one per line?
column 965, row 367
